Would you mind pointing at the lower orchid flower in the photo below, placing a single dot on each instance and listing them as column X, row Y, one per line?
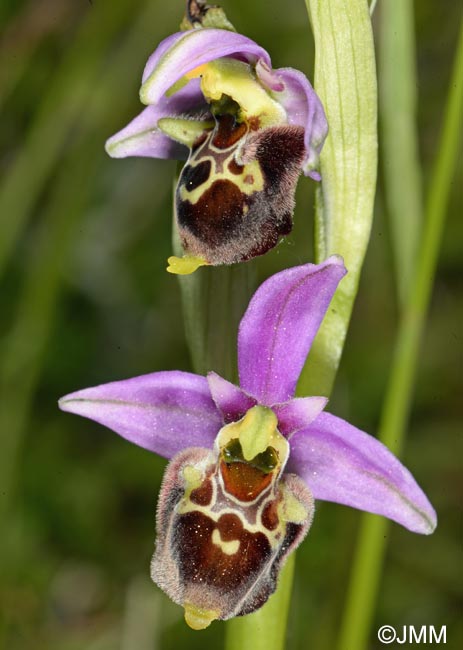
column 248, row 462
column 248, row 132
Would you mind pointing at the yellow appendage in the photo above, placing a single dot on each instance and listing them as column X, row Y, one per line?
column 185, row 265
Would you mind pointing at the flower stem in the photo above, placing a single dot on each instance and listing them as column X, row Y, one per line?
column 266, row 628
column 401, row 168
column 214, row 300
column 369, row 557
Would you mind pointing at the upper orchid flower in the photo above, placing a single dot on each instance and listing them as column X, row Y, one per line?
column 250, row 131
column 247, row 462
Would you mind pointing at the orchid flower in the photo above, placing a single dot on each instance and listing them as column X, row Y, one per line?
column 248, row 462
column 247, row 131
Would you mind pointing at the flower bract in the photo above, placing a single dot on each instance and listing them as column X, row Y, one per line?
column 246, row 131
column 248, row 461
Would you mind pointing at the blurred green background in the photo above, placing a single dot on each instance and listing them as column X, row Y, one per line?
column 85, row 299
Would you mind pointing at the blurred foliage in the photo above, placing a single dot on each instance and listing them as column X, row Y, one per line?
column 85, row 299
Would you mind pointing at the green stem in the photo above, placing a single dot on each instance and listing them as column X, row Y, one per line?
column 214, row 301
column 401, row 167
column 369, row 557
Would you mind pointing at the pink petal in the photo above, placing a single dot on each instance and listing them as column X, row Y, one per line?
column 279, row 326
column 304, row 108
column 163, row 412
column 141, row 137
column 185, row 51
column 343, row 464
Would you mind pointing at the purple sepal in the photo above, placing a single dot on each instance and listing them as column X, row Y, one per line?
column 231, row 401
column 294, row 92
column 304, row 108
column 159, row 52
column 182, row 52
column 280, row 323
column 163, row 411
column 340, row 463
column 141, row 137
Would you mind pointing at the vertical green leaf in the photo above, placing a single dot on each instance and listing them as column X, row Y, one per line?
column 345, row 80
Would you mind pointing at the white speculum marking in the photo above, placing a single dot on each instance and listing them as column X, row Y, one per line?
column 229, row 548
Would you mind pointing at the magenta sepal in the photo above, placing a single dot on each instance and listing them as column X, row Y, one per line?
column 142, row 137
column 340, row 463
column 278, row 328
column 166, row 412
column 162, row 411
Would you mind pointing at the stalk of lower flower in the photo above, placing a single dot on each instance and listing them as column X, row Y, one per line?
column 214, row 300
column 371, row 546
column 265, row 628
column 345, row 80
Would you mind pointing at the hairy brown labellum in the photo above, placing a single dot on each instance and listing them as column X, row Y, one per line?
column 225, row 526
column 235, row 195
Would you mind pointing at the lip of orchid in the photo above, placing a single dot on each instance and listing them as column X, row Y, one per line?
column 166, row 412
